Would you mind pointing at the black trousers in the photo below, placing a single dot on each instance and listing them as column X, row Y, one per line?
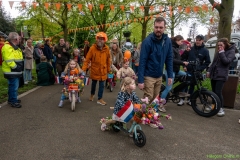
column 217, row 87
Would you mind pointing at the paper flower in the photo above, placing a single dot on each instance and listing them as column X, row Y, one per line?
column 145, row 100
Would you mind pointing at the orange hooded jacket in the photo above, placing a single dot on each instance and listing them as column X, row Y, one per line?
column 100, row 62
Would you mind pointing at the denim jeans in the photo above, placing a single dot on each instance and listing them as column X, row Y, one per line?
column 169, row 87
column 100, row 88
column 13, row 84
column 189, row 89
column 28, row 75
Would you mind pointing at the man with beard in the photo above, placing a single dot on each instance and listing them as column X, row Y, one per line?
column 155, row 51
column 100, row 59
column 12, row 67
column 62, row 54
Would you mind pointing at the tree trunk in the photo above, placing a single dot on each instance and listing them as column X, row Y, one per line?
column 65, row 21
column 65, row 32
column 172, row 25
column 225, row 10
column 42, row 30
column 144, row 24
column 225, row 22
column 144, row 30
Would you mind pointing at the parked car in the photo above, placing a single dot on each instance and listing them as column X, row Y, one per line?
column 211, row 44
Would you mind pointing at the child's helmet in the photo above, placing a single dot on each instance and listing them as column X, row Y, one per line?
column 102, row 34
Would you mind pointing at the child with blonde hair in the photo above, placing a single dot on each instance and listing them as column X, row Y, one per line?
column 72, row 69
column 127, row 93
column 76, row 56
column 125, row 71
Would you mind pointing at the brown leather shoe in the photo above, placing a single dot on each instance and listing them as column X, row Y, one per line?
column 91, row 98
column 101, row 101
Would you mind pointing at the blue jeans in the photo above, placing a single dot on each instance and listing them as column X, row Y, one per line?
column 13, row 84
column 169, row 87
column 27, row 75
column 189, row 89
column 100, row 88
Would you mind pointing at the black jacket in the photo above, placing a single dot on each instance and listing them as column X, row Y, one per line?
column 220, row 66
column 64, row 59
column 197, row 52
column 176, row 57
column 47, row 51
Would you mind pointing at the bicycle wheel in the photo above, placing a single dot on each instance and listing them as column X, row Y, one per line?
column 205, row 103
column 140, row 140
column 111, row 86
column 73, row 102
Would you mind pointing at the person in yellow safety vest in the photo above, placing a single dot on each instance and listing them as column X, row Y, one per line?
column 12, row 67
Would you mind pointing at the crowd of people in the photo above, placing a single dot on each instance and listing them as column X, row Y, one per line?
column 156, row 55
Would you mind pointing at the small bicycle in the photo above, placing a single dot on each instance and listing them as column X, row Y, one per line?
column 139, row 137
column 73, row 91
column 110, row 81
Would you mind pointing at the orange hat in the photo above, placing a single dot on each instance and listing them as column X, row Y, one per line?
column 102, row 34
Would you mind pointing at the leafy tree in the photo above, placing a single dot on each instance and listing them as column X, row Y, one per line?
column 7, row 24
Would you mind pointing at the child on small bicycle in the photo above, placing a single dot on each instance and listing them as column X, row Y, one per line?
column 72, row 70
column 127, row 93
column 126, row 71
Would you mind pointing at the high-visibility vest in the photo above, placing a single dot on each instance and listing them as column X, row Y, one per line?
column 13, row 63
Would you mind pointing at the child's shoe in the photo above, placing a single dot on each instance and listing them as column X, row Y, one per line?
column 161, row 108
column 130, row 134
column 91, row 98
column 60, row 104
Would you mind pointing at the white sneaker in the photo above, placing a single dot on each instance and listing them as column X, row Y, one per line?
column 161, row 108
column 221, row 112
column 181, row 102
column 209, row 108
column 26, row 82
column 60, row 104
column 189, row 102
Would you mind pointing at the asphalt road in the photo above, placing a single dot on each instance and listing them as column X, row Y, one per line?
column 42, row 131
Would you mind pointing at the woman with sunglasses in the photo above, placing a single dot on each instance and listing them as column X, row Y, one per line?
column 218, row 71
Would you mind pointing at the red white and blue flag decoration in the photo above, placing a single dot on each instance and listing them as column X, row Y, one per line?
column 86, row 81
column 126, row 113
column 57, row 80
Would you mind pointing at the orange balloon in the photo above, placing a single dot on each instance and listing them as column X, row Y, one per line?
column 127, row 54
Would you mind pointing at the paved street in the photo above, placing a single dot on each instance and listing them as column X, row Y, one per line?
column 42, row 131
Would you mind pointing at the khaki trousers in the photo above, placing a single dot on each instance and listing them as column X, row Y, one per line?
column 152, row 87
